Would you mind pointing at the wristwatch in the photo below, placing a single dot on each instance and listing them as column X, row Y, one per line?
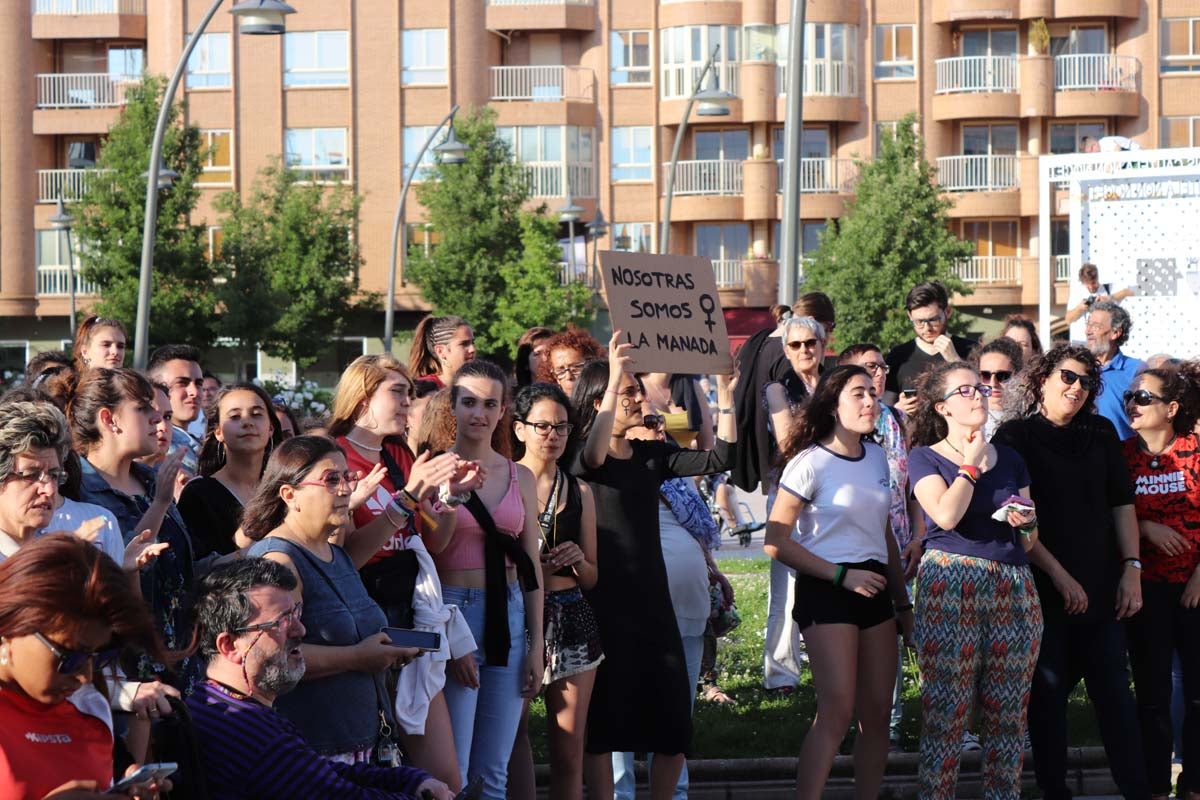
column 1133, row 562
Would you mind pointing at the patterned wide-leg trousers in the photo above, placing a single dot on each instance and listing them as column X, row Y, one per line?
column 978, row 632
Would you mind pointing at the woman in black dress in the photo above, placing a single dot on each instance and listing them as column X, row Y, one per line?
column 640, row 701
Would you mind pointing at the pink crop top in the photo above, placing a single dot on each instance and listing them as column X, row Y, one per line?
column 465, row 550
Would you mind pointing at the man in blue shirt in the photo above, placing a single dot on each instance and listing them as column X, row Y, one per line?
column 1107, row 329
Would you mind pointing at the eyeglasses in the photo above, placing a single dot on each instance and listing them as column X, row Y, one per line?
column 1001, row 375
column 929, row 323
column 654, row 421
column 875, row 369
column 1070, row 376
column 72, row 662
column 1095, row 327
column 55, row 475
column 543, row 428
column 968, row 391
column 807, row 344
column 292, row 615
column 334, row 480
column 1142, row 397
column 569, row 371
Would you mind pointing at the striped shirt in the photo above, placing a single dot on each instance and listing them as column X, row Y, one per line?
column 250, row 751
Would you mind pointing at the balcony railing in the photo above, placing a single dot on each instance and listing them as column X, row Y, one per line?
column 706, row 177
column 69, row 184
column 977, row 74
column 82, row 90
column 70, row 8
column 541, row 2
column 678, row 80
column 728, row 271
column 544, row 83
column 1096, row 72
column 990, row 269
column 822, row 78
column 1062, row 268
column 823, row 175
column 977, row 173
column 54, row 281
column 549, row 178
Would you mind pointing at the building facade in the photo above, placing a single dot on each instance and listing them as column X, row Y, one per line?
column 590, row 95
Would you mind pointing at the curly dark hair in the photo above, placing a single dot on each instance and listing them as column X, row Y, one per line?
column 819, row 416
column 1026, row 400
column 1180, row 384
column 1002, row 345
column 927, row 425
column 572, row 338
column 1025, row 324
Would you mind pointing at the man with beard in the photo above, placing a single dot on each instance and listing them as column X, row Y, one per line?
column 249, row 632
column 1107, row 329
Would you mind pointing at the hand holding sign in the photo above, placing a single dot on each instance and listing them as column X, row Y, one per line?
column 619, row 359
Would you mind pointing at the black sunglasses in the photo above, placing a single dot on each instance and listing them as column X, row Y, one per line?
column 653, row 421
column 72, row 662
column 1001, row 375
column 1070, row 376
column 1142, row 397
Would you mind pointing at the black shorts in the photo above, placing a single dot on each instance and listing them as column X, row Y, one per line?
column 819, row 602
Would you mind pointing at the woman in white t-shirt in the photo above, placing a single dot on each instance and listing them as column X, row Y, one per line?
column 849, row 582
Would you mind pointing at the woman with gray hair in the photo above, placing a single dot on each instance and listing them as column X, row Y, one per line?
column 33, row 447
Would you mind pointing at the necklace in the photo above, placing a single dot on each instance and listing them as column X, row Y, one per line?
column 1154, row 462
column 362, row 446
column 960, row 452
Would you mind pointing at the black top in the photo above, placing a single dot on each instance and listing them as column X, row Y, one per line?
column 1077, row 476
column 212, row 514
column 566, row 523
column 906, row 362
column 760, row 361
column 641, row 700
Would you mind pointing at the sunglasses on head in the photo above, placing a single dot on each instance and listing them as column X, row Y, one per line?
column 1070, row 376
column 1142, row 397
column 72, row 662
column 1001, row 375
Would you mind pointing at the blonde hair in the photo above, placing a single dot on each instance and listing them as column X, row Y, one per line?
column 357, row 384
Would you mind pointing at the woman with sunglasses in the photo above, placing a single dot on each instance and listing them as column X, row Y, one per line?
column 66, row 612
column 642, row 700
column 342, row 706
column 1164, row 460
column 996, row 362
column 978, row 619
column 567, row 523
column 1085, row 563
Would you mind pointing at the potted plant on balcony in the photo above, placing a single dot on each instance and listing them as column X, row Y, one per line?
column 1037, row 73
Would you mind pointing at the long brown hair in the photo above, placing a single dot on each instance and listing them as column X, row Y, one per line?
column 290, row 463
column 103, row 388
column 819, row 416
column 430, row 332
column 358, row 384
column 87, row 329
column 212, row 454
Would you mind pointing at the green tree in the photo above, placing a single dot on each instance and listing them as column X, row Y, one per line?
column 111, row 212
column 292, row 265
column 496, row 264
column 894, row 235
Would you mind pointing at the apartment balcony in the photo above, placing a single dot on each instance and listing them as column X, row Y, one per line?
column 541, row 15
column 544, row 95
column 984, row 185
column 975, row 87
column 549, row 179
column 990, row 270
column 1062, row 268
column 676, row 82
column 54, row 281
column 830, row 90
column 1096, row 85
column 728, row 272
column 79, row 102
column 69, row 184
column 825, row 183
column 89, row 19
column 706, row 190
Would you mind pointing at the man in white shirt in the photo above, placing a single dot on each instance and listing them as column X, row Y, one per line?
column 1085, row 292
column 1107, row 144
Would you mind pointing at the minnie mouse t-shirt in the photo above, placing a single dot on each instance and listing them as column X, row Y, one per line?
column 1168, row 495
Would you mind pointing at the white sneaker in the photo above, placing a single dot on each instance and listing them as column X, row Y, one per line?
column 970, row 742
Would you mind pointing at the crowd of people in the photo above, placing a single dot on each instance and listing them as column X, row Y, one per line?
column 364, row 605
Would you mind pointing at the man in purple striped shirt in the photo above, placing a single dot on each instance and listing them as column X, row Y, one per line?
column 250, row 635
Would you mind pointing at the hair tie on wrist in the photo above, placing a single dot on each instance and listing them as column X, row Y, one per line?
column 839, row 577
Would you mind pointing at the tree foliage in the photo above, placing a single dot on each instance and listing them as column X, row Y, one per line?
column 496, row 264
column 111, row 213
column 292, row 264
column 894, row 235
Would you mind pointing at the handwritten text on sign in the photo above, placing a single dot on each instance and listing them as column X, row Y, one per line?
column 669, row 309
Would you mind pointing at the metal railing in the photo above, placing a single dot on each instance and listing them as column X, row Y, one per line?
column 977, row 74
column 69, row 184
column 53, row 281
column 728, row 271
column 1096, row 72
column 549, row 178
column 977, row 173
column 823, row 175
column 678, row 80
column 989, row 269
column 822, row 78
column 1062, row 268
column 82, row 90
column 542, row 83
column 706, row 177
column 70, row 8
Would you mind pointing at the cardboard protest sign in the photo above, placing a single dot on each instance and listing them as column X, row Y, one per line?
column 669, row 309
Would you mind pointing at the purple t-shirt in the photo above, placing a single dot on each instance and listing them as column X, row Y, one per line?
column 977, row 534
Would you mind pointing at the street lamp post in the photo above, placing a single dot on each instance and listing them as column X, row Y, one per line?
column 257, row 17
column 62, row 221
column 714, row 102
column 597, row 227
column 452, row 151
column 570, row 214
column 793, row 130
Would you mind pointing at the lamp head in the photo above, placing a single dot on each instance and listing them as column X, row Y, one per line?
column 714, row 102
column 61, row 220
column 599, row 226
column 570, row 212
column 452, row 150
column 262, row 17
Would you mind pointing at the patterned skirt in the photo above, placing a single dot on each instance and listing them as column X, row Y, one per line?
column 572, row 635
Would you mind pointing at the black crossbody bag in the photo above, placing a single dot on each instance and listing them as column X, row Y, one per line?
column 391, row 581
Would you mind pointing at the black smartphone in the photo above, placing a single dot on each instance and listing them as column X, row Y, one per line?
column 422, row 640
column 909, row 392
column 144, row 776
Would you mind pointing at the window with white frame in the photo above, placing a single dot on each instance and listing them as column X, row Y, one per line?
column 424, row 55
column 1181, row 44
column 894, row 52
column 758, row 43
column 542, row 149
column 208, row 66
column 830, row 59
column 684, row 50
column 317, row 154
column 125, row 62
column 1066, row 137
column 810, row 237
column 415, row 137
column 217, row 167
column 633, row 237
column 1180, row 131
column 316, row 58
column 632, row 153
column 723, row 242
column 630, row 58
column 52, row 248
